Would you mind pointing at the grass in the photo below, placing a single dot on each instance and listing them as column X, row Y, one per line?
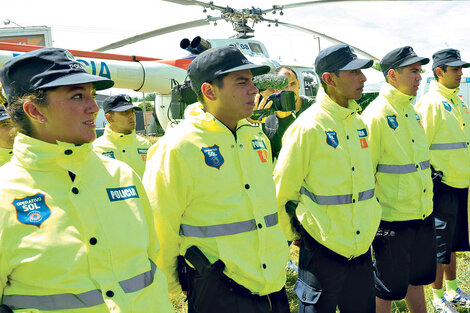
column 463, row 274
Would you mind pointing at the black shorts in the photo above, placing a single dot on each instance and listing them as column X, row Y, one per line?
column 328, row 280
column 212, row 294
column 451, row 219
column 404, row 254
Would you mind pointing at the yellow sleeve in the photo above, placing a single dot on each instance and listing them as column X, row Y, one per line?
column 429, row 113
column 291, row 169
column 154, row 245
column 166, row 180
column 374, row 138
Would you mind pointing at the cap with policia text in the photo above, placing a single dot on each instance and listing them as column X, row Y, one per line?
column 218, row 61
column 118, row 103
column 400, row 57
column 45, row 68
column 339, row 58
column 450, row 57
column 3, row 113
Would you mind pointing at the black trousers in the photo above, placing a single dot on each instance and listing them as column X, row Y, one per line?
column 220, row 294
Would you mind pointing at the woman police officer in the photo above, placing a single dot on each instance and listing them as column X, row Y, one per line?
column 76, row 229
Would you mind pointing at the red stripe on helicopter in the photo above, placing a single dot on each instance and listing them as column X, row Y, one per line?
column 181, row 63
column 78, row 53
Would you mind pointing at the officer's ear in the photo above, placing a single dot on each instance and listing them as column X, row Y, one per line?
column 328, row 79
column 392, row 74
column 109, row 117
column 208, row 91
column 439, row 72
column 34, row 112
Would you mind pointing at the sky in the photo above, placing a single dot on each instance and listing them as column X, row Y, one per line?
column 374, row 26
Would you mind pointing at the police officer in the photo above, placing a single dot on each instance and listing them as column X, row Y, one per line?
column 119, row 140
column 210, row 181
column 76, row 228
column 7, row 136
column 325, row 166
column 404, row 247
column 447, row 126
column 276, row 124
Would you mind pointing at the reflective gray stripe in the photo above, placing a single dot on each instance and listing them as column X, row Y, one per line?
column 55, row 302
column 271, row 220
column 365, row 195
column 77, row 301
column 336, row 200
column 448, row 146
column 401, row 169
column 225, row 229
column 140, row 281
column 425, row 165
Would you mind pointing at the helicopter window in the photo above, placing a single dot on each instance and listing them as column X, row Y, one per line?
column 256, row 48
column 310, row 83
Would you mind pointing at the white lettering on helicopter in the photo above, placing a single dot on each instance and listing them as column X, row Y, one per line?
column 103, row 68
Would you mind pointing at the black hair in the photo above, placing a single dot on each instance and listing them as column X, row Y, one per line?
column 218, row 81
column 18, row 115
column 398, row 69
column 323, row 83
column 286, row 68
column 442, row 67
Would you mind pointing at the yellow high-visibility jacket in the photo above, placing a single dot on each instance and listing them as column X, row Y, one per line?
column 5, row 155
column 130, row 149
column 400, row 156
column 87, row 245
column 446, row 120
column 325, row 164
column 214, row 189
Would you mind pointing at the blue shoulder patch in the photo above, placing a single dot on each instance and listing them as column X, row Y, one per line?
column 332, row 139
column 212, row 156
column 32, row 210
column 258, row 144
column 392, row 121
column 362, row 133
column 122, row 193
column 109, row 154
column 142, row 150
column 447, row 106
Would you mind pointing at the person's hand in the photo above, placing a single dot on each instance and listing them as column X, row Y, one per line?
column 296, row 242
column 261, row 103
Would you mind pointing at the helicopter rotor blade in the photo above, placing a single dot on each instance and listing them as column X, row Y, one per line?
column 312, row 2
column 209, row 5
column 157, row 32
column 321, row 35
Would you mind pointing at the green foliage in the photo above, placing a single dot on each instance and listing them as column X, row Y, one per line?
column 376, row 66
column 366, row 99
column 150, row 97
column 148, row 106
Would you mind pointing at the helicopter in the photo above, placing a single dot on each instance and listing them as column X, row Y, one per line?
column 153, row 75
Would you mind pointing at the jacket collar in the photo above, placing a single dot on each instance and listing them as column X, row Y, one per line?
column 195, row 114
column 395, row 97
column 114, row 136
column 446, row 92
column 36, row 154
column 336, row 110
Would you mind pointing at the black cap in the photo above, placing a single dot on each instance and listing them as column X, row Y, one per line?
column 218, row 61
column 339, row 58
column 45, row 68
column 3, row 113
column 400, row 57
column 450, row 57
column 118, row 103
